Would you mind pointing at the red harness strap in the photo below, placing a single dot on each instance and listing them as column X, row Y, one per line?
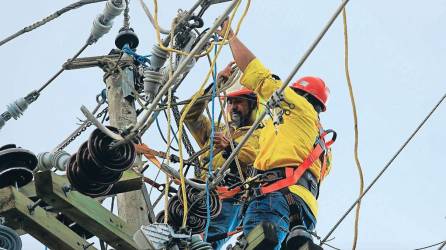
column 292, row 175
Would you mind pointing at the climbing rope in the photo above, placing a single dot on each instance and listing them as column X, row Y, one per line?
column 355, row 120
column 383, row 170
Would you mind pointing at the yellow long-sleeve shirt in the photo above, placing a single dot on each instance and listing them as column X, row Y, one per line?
column 295, row 137
column 200, row 127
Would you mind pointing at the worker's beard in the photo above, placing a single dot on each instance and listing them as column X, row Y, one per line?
column 239, row 120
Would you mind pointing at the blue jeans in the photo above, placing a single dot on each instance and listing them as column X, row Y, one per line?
column 274, row 208
column 228, row 220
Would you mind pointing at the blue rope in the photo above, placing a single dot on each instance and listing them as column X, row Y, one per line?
column 211, row 144
column 139, row 58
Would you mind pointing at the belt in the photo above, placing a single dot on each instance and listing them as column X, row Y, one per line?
column 308, row 180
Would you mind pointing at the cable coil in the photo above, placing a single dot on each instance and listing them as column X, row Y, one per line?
column 9, row 239
column 196, row 218
column 95, row 167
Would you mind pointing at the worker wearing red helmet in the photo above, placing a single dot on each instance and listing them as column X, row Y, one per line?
column 241, row 109
column 293, row 156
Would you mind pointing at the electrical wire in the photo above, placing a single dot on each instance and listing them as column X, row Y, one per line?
column 211, row 142
column 433, row 245
column 61, row 70
column 49, row 18
column 384, row 169
column 162, row 135
column 231, row 142
column 187, row 108
column 355, row 120
column 207, row 51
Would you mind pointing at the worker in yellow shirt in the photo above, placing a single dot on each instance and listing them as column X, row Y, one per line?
column 293, row 156
column 241, row 111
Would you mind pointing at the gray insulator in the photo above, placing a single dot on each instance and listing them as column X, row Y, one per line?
column 112, row 9
column 9, row 239
column 99, row 29
column 58, row 160
column 158, row 58
column 198, row 244
column 152, row 82
column 17, row 108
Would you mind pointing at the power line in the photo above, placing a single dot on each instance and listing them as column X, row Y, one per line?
column 433, row 245
column 49, row 18
column 383, row 170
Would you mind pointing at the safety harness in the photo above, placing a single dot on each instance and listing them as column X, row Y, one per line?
column 292, row 174
column 270, row 182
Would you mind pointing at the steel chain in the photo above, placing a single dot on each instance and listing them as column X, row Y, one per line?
column 187, row 144
column 79, row 130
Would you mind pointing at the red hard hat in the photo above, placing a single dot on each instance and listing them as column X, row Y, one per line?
column 237, row 90
column 314, row 86
column 243, row 91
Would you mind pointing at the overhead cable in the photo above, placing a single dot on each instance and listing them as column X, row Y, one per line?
column 433, row 245
column 49, row 18
column 101, row 25
column 383, row 170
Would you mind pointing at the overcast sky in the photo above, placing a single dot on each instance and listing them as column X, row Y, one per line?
column 397, row 61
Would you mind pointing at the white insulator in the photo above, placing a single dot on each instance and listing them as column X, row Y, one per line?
column 113, row 8
column 58, row 160
column 17, row 108
column 99, row 29
column 152, row 83
column 158, row 58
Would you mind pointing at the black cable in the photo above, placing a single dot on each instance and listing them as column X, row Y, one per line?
column 62, row 69
column 433, row 245
column 171, row 128
column 162, row 135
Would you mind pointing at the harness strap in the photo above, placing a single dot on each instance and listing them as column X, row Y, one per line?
column 292, row 175
column 226, row 193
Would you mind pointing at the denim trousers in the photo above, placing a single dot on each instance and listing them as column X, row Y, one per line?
column 228, row 220
column 274, row 208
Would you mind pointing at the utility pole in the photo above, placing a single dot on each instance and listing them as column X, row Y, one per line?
column 132, row 206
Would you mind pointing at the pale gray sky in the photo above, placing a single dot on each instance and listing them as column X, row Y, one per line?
column 397, row 59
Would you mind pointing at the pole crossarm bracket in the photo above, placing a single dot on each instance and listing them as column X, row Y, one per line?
column 40, row 224
column 96, row 61
column 85, row 211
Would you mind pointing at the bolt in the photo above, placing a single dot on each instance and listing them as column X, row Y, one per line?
column 87, row 246
column 66, row 188
column 33, row 206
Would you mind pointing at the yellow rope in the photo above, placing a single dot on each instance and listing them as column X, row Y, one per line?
column 355, row 118
column 188, row 107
